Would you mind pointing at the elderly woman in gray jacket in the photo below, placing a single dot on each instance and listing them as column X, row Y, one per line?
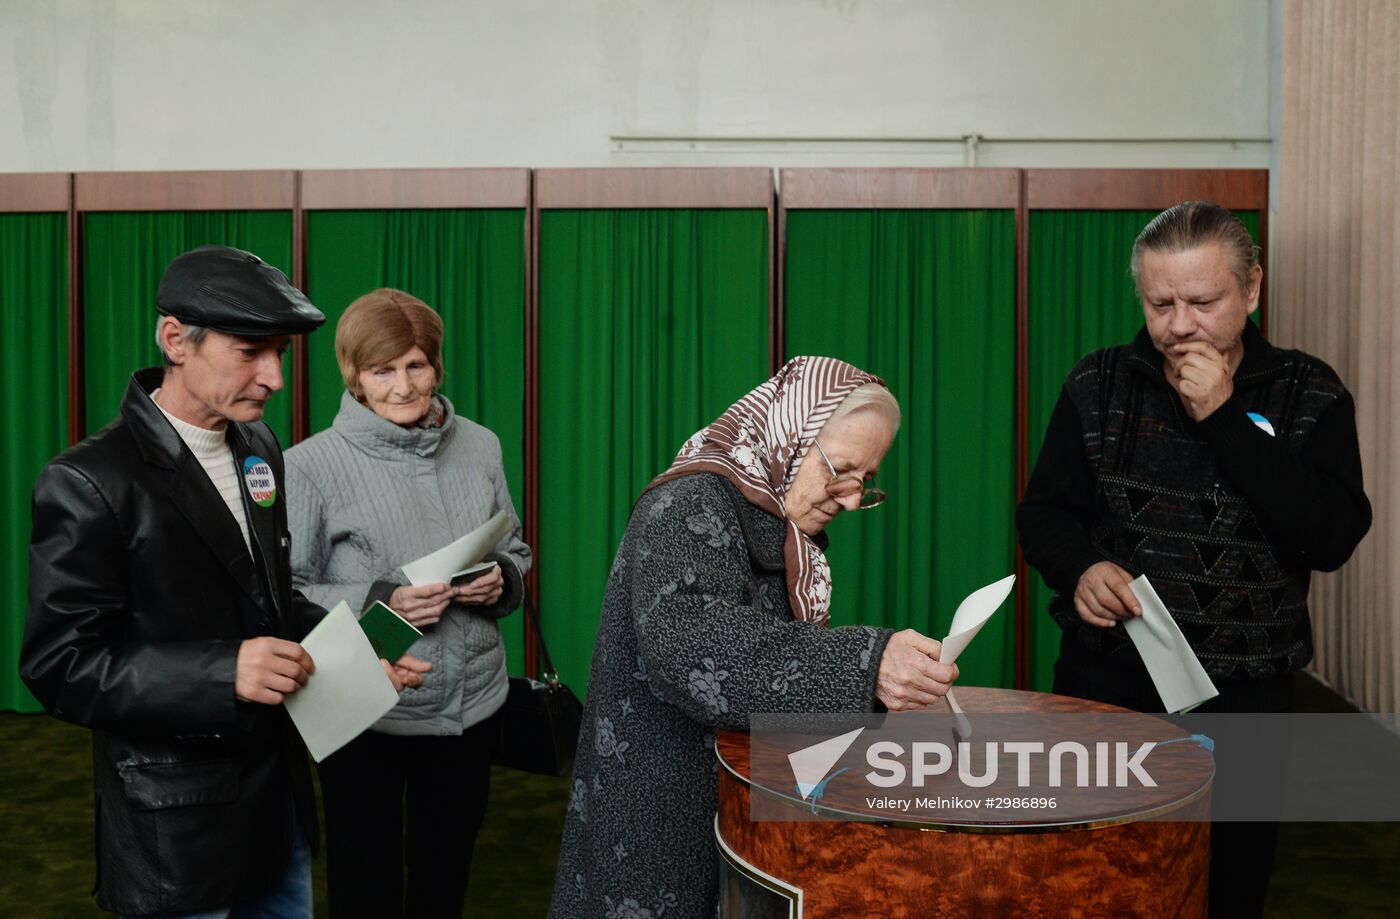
column 398, row 475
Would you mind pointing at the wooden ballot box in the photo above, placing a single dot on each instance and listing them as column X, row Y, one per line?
column 1149, row 857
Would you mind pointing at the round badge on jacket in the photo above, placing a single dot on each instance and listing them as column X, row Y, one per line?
column 1261, row 423
column 257, row 475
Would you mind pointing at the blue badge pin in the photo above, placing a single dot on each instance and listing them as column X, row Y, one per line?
column 1261, row 423
column 257, row 475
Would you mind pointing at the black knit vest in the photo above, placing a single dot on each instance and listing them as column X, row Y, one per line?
column 1164, row 509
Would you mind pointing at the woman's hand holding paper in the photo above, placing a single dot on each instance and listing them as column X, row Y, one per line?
column 421, row 606
column 482, row 591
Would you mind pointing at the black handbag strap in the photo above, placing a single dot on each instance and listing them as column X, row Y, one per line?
column 550, row 675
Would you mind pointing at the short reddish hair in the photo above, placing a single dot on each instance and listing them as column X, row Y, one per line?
column 382, row 325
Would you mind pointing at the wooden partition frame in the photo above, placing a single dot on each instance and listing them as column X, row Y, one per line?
column 1023, row 190
column 429, row 189
column 884, row 189
column 252, row 191
column 615, row 189
column 926, row 189
column 35, row 192
column 1112, row 190
column 256, row 190
column 1156, row 190
column 400, row 189
column 52, row 193
column 425, row 189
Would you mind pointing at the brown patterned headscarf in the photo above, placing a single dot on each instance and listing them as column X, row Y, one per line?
column 758, row 444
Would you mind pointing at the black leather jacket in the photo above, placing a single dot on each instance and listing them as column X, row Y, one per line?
column 141, row 590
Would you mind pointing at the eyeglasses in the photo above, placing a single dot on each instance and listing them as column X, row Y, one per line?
column 843, row 486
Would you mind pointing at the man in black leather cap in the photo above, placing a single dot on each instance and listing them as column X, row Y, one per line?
column 161, row 612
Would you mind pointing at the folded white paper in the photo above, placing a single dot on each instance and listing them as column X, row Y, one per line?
column 1177, row 673
column 349, row 690
column 438, row 567
column 973, row 613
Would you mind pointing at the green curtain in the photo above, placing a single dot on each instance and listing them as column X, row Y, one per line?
column 926, row 299
column 1081, row 298
column 124, row 256
column 652, row 323
column 33, row 405
column 469, row 265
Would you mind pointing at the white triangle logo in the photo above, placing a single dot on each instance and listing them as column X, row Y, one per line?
column 811, row 764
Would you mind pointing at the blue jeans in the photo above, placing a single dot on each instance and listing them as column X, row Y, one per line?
column 290, row 899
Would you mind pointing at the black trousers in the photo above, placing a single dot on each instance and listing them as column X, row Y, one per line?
column 402, row 814
column 1241, row 854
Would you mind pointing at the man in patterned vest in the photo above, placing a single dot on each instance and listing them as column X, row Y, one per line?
column 1223, row 468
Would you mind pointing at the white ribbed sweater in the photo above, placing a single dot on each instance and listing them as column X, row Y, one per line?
column 212, row 450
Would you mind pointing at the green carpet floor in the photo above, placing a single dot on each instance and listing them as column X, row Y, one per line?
column 1335, row 870
column 46, row 845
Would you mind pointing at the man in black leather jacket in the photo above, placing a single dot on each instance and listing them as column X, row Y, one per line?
column 161, row 612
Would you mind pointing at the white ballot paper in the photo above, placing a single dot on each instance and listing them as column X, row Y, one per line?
column 1180, row 679
column 438, row 567
column 973, row 613
column 349, row 690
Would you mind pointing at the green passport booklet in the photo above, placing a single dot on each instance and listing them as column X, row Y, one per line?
column 389, row 633
column 470, row 573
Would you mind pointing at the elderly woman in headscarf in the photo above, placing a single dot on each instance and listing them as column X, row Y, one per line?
column 717, row 607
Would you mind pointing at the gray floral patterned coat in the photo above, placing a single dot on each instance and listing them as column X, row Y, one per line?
column 696, row 633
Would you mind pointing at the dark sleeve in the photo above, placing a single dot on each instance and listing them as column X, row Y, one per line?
column 511, row 553
column 305, row 615
column 380, row 592
column 1057, row 510
column 512, row 588
column 76, row 658
column 1309, row 500
column 705, row 649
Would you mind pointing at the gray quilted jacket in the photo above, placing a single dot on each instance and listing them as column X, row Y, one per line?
column 366, row 496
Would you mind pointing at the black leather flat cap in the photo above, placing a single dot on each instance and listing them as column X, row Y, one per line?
column 236, row 292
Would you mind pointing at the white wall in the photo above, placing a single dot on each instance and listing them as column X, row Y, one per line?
column 210, row 84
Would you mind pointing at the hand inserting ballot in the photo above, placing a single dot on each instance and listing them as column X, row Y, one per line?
column 911, row 676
